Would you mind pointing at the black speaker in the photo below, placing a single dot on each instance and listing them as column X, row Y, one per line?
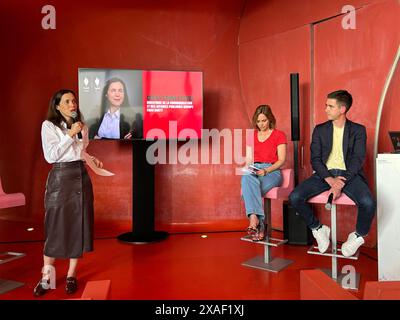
column 295, row 229
column 294, row 106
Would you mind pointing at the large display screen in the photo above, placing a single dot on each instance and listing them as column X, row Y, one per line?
column 141, row 104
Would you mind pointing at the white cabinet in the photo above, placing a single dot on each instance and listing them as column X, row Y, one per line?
column 388, row 216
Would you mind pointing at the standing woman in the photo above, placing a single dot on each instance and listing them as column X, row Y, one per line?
column 69, row 196
column 267, row 152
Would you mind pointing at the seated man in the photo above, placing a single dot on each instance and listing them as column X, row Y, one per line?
column 338, row 150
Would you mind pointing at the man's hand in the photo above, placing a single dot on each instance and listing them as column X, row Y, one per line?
column 336, row 192
column 337, row 183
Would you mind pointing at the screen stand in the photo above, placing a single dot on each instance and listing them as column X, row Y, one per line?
column 143, row 199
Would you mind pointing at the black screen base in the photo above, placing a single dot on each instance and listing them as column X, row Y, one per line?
column 133, row 238
column 143, row 199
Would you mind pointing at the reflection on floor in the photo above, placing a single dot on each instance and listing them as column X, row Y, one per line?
column 185, row 266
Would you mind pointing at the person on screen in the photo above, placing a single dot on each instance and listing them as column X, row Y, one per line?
column 69, row 196
column 267, row 154
column 112, row 124
column 338, row 149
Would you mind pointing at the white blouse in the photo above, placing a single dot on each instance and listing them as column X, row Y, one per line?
column 58, row 146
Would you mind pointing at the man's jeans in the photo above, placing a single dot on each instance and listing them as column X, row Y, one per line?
column 255, row 187
column 357, row 190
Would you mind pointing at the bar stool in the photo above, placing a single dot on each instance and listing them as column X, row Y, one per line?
column 334, row 252
column 267, row 262
column 8, row 200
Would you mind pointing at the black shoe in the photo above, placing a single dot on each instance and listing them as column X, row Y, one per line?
column 71, row 286
column 41, row 288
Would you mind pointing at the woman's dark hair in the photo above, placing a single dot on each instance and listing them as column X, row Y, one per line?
column 265, row 110
column 104, row 100
column 55, row 115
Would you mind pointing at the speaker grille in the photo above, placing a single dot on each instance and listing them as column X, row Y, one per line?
column 294, row 106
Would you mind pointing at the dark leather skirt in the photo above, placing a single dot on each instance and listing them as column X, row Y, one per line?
column 69, row 216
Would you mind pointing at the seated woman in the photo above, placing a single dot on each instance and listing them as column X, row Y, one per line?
column 267, row 154
column 112, row 124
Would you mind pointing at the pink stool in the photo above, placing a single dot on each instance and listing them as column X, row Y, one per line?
column 334, row 253
column 8, row 201
column 266, row 262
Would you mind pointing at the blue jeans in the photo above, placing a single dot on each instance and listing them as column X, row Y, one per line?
column 356, row 189
column 254, row 188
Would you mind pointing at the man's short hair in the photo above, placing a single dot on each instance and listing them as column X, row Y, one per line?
column 343, row 98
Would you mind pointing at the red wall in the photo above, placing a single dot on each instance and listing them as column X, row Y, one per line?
column 245, row 48
column 265, row 67
column 359, row 62
column 265, row 18
column 327, row 58
column 165, row 35
column 390, row 120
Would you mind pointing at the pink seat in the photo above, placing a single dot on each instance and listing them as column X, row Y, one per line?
column 11, row 199
column 7, row 201
column 335, row 253
column 323, row 198
column 267, row 262
column 285, row 189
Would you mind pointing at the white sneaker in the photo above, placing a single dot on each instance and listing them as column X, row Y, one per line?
column 352, row 244
column 322, row 236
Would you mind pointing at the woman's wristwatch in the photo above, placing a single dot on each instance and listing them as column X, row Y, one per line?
column 265, row 171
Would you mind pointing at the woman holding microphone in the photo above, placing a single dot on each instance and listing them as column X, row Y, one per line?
column 68, row 199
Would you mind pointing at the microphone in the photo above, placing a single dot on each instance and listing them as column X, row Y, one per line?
column 74, row 116
column 328, row 205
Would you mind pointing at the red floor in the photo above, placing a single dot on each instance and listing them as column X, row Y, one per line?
column 183, row 267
